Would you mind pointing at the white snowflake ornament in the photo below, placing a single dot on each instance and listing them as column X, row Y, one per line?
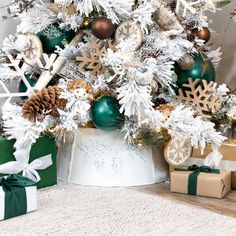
column 18, row 70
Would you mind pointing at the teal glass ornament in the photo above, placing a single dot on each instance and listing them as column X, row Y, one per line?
column 53, row 36
column 203, row 69
column 105, row 114
column 22, row 87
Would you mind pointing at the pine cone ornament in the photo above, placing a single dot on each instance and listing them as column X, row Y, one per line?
column 190, row 25
column 45, row 101
column 173, row 5
column 191, row 37
column 158, row 102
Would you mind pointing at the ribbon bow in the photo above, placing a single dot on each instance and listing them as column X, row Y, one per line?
column 192, row 179
column 214, row 158
column 14, row 180
column 22, row 164
column 15, row 194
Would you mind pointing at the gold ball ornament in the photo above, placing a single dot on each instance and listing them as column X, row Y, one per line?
column 186, row 63
column 177, row 151
column 129, row 29
column 86, row 23
column 203, row 34
column 102, row 28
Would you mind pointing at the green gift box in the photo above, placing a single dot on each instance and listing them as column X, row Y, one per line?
column 44, row 148
column 18, row 195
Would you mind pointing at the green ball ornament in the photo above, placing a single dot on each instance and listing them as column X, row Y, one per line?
column 22, row 87
column 202, row 69
column 54, row 36
column 105, row 114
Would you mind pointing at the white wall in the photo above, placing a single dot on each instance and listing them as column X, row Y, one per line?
column 6, row 26
column 227, row 69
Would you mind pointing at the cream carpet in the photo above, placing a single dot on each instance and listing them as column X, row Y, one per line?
column 74, row 210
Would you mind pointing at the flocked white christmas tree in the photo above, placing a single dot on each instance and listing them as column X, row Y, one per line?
column 150, row 36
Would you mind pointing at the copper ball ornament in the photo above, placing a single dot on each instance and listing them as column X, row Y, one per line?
column 203, row 34
column 102, row 28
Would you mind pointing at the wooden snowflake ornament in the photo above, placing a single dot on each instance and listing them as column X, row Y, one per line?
column 201, row 94
column 129, row 29
column 90, row 57
column 166, row 19
column 177, row 151
column 34, row 49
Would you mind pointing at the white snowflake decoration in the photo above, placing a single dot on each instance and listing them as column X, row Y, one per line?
column 20, row 72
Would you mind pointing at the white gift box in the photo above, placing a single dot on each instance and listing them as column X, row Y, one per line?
column 99, row 158
column 31, row 196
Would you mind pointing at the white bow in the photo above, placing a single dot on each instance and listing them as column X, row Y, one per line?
column 214, row 158
column 22, row 164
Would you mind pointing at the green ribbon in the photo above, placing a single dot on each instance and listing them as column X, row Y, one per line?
column 192, row 179
column 15, row 194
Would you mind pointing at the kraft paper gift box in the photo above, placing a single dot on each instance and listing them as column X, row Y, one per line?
column 18, row 195
column 215, row 185
column 228, row 150
column 41, row 163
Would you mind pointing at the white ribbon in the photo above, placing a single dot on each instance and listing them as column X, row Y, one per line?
column 22, row 164
column 214, row 158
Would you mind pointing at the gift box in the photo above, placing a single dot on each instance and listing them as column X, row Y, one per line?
column 228, row 150
column 201, row 181
column 39, row 166
column 18, row 195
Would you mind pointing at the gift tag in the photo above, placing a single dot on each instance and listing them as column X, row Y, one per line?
column 177, row 151
column 129, row 29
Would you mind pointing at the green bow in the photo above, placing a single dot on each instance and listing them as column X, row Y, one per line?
column 15, row 194
column 192, row 179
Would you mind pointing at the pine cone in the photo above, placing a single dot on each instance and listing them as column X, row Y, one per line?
column 191, row 37
column 159, row 101
column 43, row 102
column 190, row 25
column 173, row 5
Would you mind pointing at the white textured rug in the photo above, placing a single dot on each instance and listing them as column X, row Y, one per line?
column 74, row 210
